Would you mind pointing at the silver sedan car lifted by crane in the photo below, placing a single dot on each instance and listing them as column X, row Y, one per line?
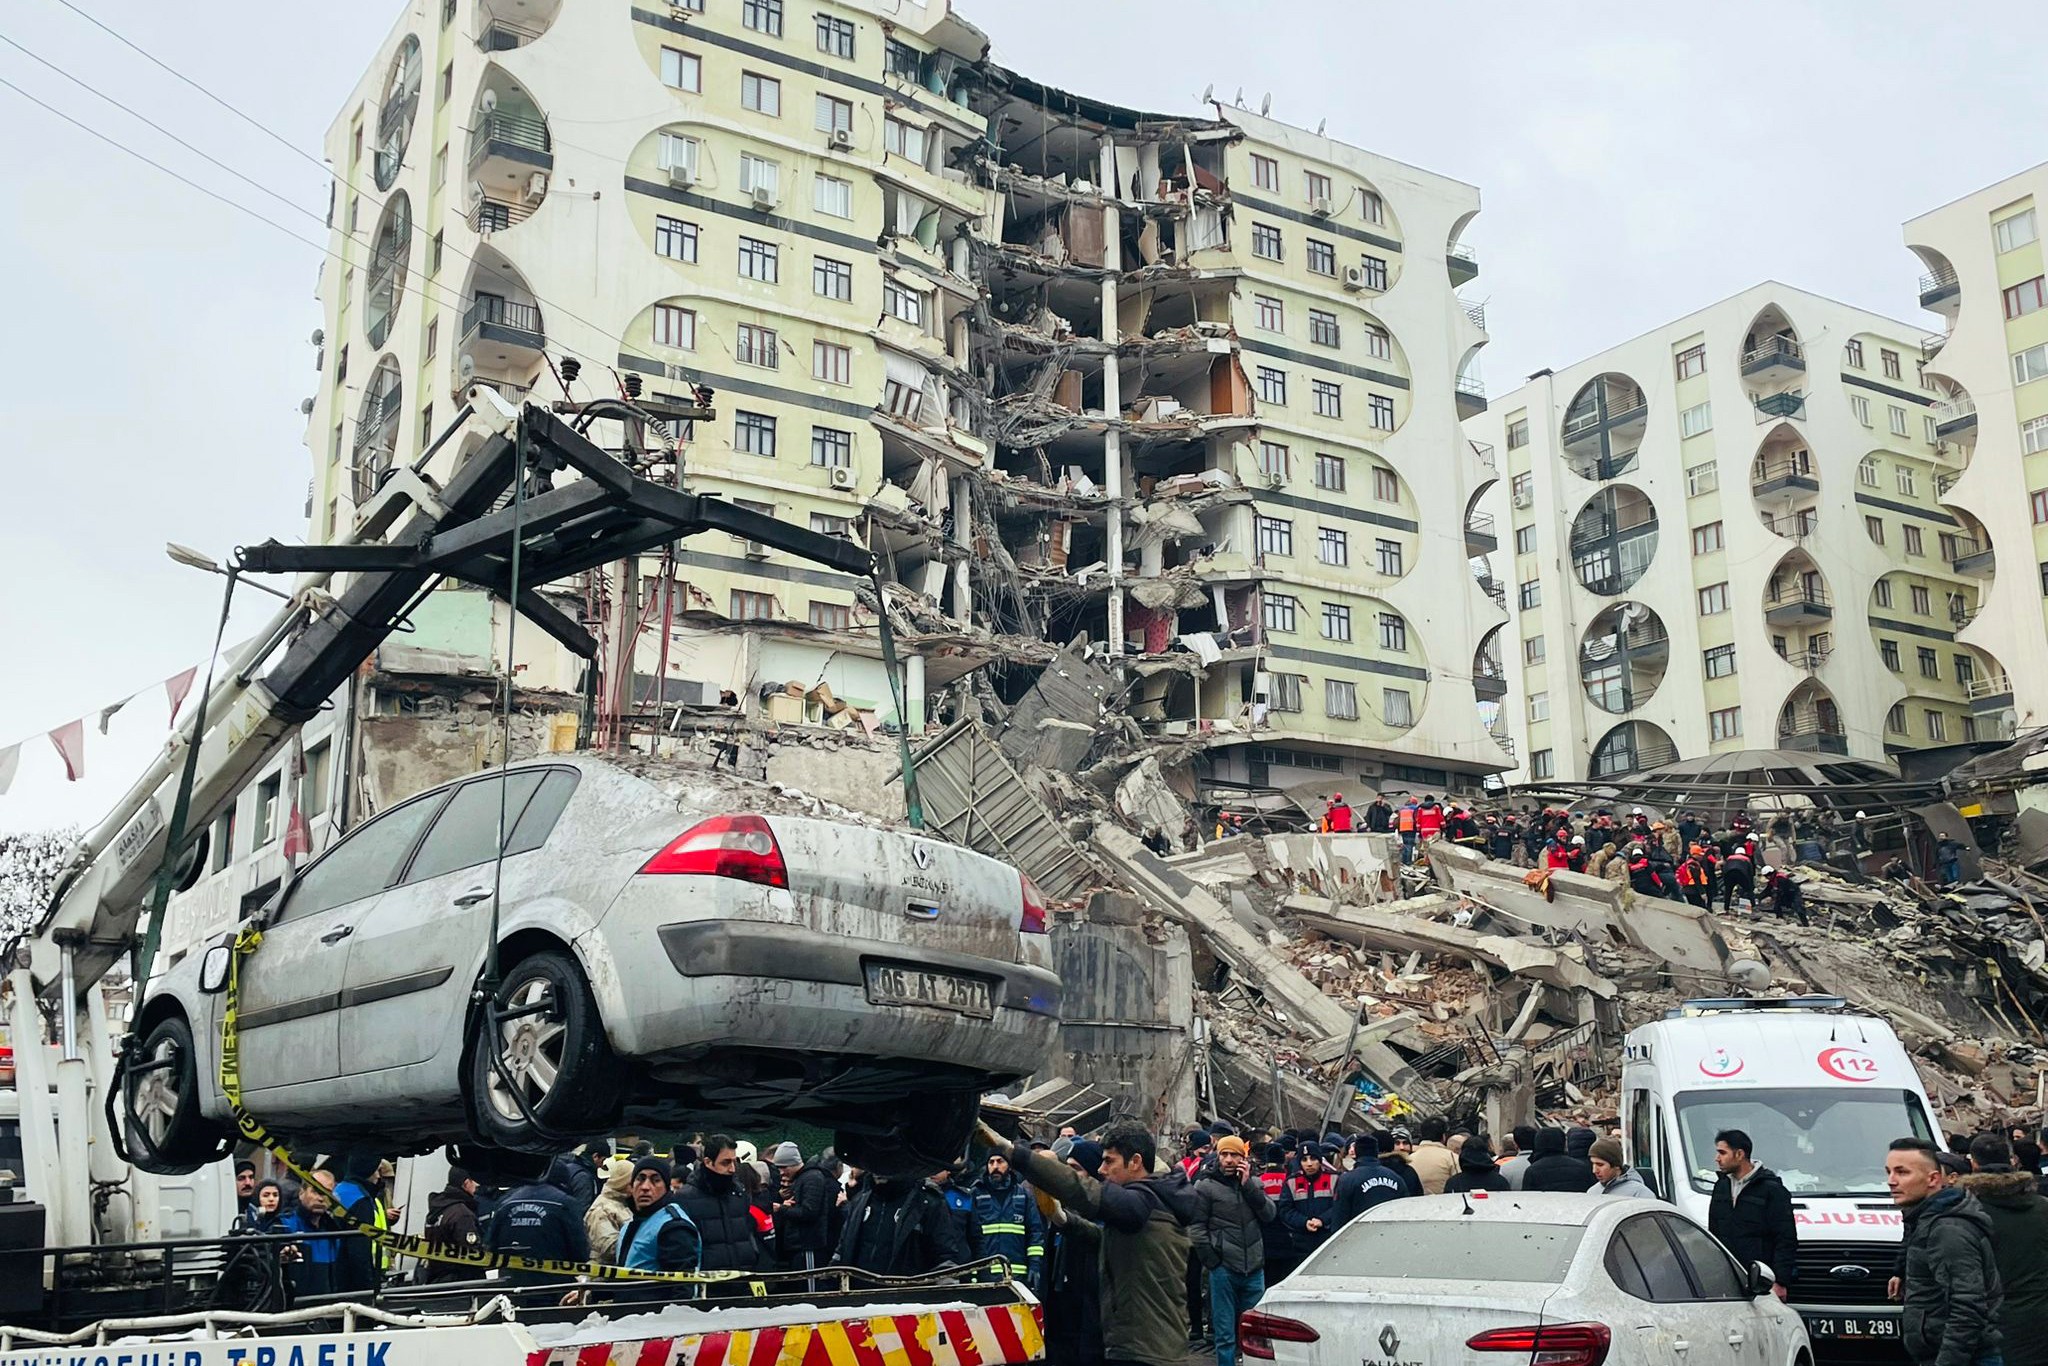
column 664, row 959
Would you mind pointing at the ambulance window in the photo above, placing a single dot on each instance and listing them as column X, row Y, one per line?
column 1642, row 1138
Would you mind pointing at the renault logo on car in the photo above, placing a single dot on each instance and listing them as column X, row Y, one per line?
column 1390, row 1341
column 921, row 854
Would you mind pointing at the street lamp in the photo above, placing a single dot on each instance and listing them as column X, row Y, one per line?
column 193, row 559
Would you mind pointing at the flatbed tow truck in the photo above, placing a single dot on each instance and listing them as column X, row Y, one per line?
column 82, row 1280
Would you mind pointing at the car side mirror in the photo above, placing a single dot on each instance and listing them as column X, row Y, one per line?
column 213, row 969
column 1761, row 1279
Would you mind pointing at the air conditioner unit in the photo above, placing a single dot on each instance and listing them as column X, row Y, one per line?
column 842, row 140
column 1321, row 207
column 1524, row 497
column 683, row 174
column 1354, row 278
column 756, row 551
column 763, row 197
column 536, row 187
column 842, row 476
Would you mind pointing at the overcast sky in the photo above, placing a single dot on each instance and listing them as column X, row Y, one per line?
column 1635, row 162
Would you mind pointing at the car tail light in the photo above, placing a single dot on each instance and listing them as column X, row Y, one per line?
column 1032, row 920
column 1257, row 1332
column 740, row 847
column 1556, row 1344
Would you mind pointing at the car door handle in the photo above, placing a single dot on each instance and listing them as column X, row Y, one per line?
column 337, row 934
column 1680, row 1345
column 1734, row 1339
column 473, row 896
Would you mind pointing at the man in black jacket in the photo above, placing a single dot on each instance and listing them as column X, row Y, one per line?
column 803, row 1209
column 539, row 1220
column 661, row 1236
column 452, row 1228
column 1750, row 1211
column 2019, row 1240
column 1949, row 1286
column 1552, row 1170
column 1368, row 1183
column 900, row 1228
column 717, row 1204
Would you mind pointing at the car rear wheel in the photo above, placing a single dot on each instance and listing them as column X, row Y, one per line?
column 931, row 1134
column 540, row 1068
column 160, row 1100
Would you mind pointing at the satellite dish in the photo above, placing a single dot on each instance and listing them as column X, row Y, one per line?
column 476, row 191
column 1208, row 92
column 319, row 337
column 488, row 100
column 1266, row 105
column 306, row 407
column 465, row 369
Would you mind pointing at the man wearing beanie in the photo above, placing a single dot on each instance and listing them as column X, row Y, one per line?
column 1368, row 1183
column 1476, row 1168
column 661, row 1236
column 1228, row 1238
column 1552, row 1169
column 803, row 1209
column 1612, row 1176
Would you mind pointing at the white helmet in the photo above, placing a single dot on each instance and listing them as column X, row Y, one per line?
column 1767, row 870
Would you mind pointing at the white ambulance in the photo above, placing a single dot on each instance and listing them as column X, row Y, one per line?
column 1821, row 1090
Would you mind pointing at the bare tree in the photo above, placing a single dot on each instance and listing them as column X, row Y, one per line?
column 29, row 864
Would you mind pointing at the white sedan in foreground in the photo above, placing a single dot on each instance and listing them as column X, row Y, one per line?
column 1513, row 1278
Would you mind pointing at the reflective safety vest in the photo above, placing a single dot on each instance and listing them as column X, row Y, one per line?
column 1404, row 820
column 645, row 1253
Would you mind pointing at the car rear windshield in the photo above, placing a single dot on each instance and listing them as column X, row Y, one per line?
column 1487, row 1248
column 1819, row 1140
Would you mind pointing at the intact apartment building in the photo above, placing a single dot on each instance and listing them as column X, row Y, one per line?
column 1989, row 364
column 1738, row 531
column 1186, row 388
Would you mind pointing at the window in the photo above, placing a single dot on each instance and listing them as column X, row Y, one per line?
column 1274, row 535
column 902, row 139
column 675, row 239
column 2037, row 505
column 1914, row 545
column 746, row 606
column 830, row 195
column 1532, row 650
column 1525, row 540
column 901, row 59
column 1333, row 546
column 1393, row 632
column 2024, row 298
column 355, row 207
column 2034, row 435
column 1336, row 621
column 760, row 260
column 831, row 279
column 1881, row 593
column 831, row 448
column 1522, row 489
column 2016, row 231
column 1375, row 268
column 831, row 616
column 762, row 16
column 1386, row 485
column 1272, row 313
column 1314, row 186
column 1873, row 527
column 1272, row 386
column 757, row 345
column 433, row 337
column 761, row 94
column 1542, row 764
column 1696, row 419
column 1692, row 361
column 1937, row 724
column 1340, row 698
column 2030, row 364
column 1702, row 479
column 1930, row 663
column 675, row 327
column 1866, row 471
column 753, row 434
column 1888, row 651
column 1329, row 397
column 1287, row 691
column 1930, row 429
column 1719, row 662
column 831, row 526
column 831, row 362
column 434, row 253
column 1725, row 724
column 447, row 83
column 1966, row 669
column 1969, row 729
column 1273, row 459
column 313, row 785
column 682, row 70
column 1371, row 207
column 904, row 305
column 1860, row 406
column 1265, row 172
column 1713, row 599
column 1278, row 611
column 1322, row 257
column 759, row 173
column 1380, row 412
column 1898, row 419
column 1387, row 555
column 426, row 426
column 1396, row 707
column 1323, row 329
column 674, row 150
column 903, row 400
column 441, row 166
column 1923, row 601
column 1330, row 472
column 1889, row 359
column 1266, row 241
column 1852, row 353
column 1380, row 346
column 1518, row 433
column 362, row 865
column 835, row 36
column 834, row 115
column 1706, row 539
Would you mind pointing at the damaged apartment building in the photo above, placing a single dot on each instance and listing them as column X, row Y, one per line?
column 1182, row 394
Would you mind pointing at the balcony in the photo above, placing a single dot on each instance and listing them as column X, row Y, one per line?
column 1812, row 733
column 396, row 117
column 1945, row 481
column 1773, row 407
column 1493, row 588
column 1967, row 555
column 496, row 215
column 1464, row 266
column 1931, row 344
column 1793, row 526
column 1649, row 643
column 1795, row 604
column 1585, row 424
column 1483, row 453
column 513, row 139
column 500, row 35
column 1471, row 397
column 1480, row 536
column 1809, row 660
column 375, row 426
column 1489, row 679
column 513, row 330
column 1476, row 313
column 1956, row 420
column 1781, row 476
column 1774, row 358
column 1940, row 292
column 1989, row 694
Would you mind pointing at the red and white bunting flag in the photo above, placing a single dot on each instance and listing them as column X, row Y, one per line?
column 107, row 712
column 298, row 839
column 69, row 739
column 10, row 760
column 177, row 686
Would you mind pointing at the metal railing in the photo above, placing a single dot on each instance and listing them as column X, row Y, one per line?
column 1460, row 252
column 1480, row 524
column 376, row 417
column 1806, row 721
column 1486, row 666
column 1774, row 349
column 512, row 130
column 396, row 113
column 1477, row 313
column 1793, row 526
column 1995, row 685
column 1961, row 548
column 1767, row 470
column 1953, row 409
column 1946, row 481
column 1809, row 659
column 501, row 312
column 1636, row 640
column 1603, row 527
column 1931, row 344
column 1471, row 387
column 1484, row 453
column 1770, row 407
column 1604, row 467
column 495, row 215
column 1937, row 280
column 500, row 36
column 1797, row 595
column 1495, row 589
